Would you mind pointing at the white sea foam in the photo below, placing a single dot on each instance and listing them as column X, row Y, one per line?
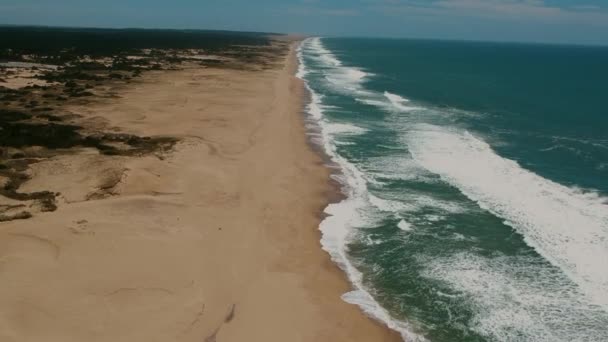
column 372, row 102
column 398, row 167
column 415, row 202
column 405, row 226
column 342, row 78
column 395, row 98
column 322, row 53
column 389, row 205
column 450, row 207
column 517, row 299
column 343, row 143
column 301, row 68
column 386, row 101
column 345, row 79
column 433, row 218
column 344, row 128
column 399, row 102
column 566, row 227
column 315, row 111
column 337, row 227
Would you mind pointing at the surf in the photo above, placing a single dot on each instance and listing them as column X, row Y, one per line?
column 416, row 172
column 567, row 227
column 342, row 78
column 398, row 102
column 337, row 227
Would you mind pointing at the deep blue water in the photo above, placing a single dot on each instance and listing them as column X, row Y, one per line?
column 476, row 183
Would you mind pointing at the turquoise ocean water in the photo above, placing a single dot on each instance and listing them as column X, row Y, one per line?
column 476, row 184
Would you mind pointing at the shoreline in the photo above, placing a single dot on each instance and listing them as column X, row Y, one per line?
column 214, row 240
column 330, row 240
column 333, row 194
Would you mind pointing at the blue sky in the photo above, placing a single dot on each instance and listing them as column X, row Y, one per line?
column 558, row 21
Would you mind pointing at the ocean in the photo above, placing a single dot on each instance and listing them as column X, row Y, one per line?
column 475, row 181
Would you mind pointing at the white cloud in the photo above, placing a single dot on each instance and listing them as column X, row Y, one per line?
column 514, row 7
column 511, row 10
column 592, row 8
column 316, row 11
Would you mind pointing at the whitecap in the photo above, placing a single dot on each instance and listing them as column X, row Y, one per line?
column 567, row 228
column 399, row 102
column 405, row 226
column 343, row 128
column 513, row 298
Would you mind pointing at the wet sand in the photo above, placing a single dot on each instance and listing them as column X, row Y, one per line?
column 213, row 240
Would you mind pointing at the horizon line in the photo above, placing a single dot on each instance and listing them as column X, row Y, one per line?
column 463, row 40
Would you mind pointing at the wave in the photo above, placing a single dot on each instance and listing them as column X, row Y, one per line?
column 562, row 296
column 342, row 78
column 343, row 216
column 350, row 79
column 398, row 102
column 344, row 128
column 567, row 227
column 301, row 73
column 404, row 225
column 386, row 101
column 397, row 167
column 347, row 79
column 515, row 299
column 415, row 202
column 322, row 53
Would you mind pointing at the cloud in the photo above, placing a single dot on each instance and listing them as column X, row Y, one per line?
column 345, row 12
column 592, row 8
column 509, row 7
column 503, row 10
column 317, row 11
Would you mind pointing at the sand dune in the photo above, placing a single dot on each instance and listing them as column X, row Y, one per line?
column 215, row 240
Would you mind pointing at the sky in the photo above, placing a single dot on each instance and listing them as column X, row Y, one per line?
column 549, row 21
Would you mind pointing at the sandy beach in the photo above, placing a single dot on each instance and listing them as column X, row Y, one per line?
column 215, row 239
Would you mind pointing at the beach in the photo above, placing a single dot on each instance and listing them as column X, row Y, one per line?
column 213, row 238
